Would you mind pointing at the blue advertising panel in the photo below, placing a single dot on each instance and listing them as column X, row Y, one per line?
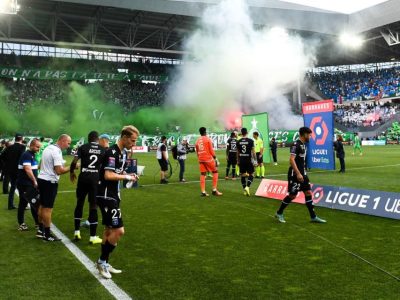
column 318, row 116
column 369, row 202
column 374, row 203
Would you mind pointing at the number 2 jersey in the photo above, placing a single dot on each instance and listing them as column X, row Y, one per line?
column 91, row 156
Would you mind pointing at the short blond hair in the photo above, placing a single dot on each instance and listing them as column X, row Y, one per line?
column 129, row 130
column 64, row 136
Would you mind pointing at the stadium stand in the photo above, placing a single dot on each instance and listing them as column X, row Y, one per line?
column 365, row 114
column 130, row 95
column 357, row 86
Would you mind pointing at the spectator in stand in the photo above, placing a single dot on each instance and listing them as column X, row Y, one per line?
column 365, row 85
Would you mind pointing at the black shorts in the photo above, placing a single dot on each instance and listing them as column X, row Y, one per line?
column 232, row 158
column 294, row 186
column 246, row 167
column 259, row 158
column 163, row 164
column 30, row 194
column 110, row 211
column 87, row 186
column 48, row 193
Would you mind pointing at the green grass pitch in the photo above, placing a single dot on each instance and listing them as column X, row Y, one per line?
column 180, row 246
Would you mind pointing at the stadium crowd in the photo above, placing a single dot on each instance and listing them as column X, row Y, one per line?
column 130, row 95
column 364, row 114
column 349, row 86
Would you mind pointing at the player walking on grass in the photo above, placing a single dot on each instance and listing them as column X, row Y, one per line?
column 91, row 156
column 246, row 157
column 357, row 144
column 231, row 156
column 207, row 161
column 297, row 177
column 108, row 196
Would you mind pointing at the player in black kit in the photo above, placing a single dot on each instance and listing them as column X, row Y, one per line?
column 231, row 155
column 297, row 177
column 246, row 158
column 91, row 156
column 108, row 199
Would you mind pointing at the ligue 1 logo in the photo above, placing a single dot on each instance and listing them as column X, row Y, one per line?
column 318, row 194
column 319, row 130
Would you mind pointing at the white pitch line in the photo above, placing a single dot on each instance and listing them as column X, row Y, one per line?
column 272, row 175
column 322, row 238
column 329, row 171
column 108, row 284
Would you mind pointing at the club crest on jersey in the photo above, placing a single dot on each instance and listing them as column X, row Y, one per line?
column 111, row 162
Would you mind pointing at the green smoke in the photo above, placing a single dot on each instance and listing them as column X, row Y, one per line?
column 85, row 108
column 89, row 111
column 45, row 119
column 9, row 122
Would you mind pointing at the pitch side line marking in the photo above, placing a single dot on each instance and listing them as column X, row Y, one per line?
column 273, row 175
column 324, row 239
column 108, row 284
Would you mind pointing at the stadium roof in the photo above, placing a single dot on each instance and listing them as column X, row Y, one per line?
column 158, row 27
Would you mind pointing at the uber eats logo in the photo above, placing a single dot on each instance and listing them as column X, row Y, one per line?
column 319, row 130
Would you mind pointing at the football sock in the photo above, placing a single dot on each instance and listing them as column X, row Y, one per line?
column 310, row 207
column 286, row 201
column 47, row 231
column 77, row 223
column 106, row 249
column 249, row 180
column 233, row 172
column 215, row 181
column 93, row 221
column 243, row 179
column 203, row 183
column 258, row 171
column 262, row 170
column 227, row 171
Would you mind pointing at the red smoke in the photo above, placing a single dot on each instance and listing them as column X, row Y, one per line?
column 233, row 119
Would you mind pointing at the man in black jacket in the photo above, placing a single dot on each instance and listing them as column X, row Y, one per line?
column 274, row 147
column 340, row 153
column 10, row 158
column 2, row 148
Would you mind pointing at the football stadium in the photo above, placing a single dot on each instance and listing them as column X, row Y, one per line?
column 199, row 149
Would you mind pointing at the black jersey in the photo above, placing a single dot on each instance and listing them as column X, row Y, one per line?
column 115, row 161
column 231, row 146
column 91, row 156
column 245, row 147
column 299, row 151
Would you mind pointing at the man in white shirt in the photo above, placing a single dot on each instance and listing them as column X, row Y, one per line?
column 51, row 167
